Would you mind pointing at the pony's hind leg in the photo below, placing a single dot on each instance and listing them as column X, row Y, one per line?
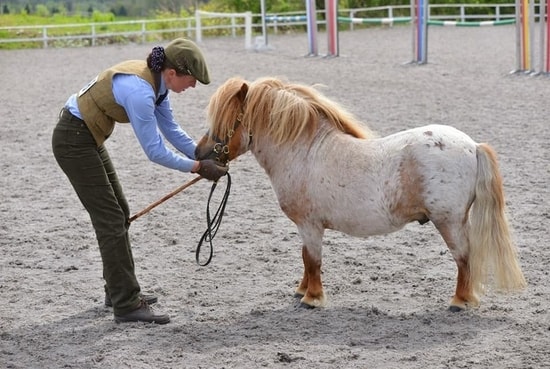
column 454, row 235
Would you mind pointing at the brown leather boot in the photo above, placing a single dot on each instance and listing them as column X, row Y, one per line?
column 143, row 313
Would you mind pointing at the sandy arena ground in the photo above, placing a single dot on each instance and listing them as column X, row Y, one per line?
column 388, row 295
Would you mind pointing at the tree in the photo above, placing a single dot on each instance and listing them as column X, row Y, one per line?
column 69, row 5
column 121, row 12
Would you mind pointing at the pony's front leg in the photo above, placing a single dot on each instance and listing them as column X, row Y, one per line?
column 311, row 287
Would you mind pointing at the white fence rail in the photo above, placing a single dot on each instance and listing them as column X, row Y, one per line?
column 90, row 34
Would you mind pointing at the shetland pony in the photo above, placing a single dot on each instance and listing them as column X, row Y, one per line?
column 329, row 171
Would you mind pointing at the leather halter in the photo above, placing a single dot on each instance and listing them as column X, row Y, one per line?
column 221, row 148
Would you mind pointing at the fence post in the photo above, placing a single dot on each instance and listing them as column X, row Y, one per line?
column 189, row 28
column 93, row 34
column 45, row 37
column 248, row 30
column 198, row 30
column 264, row 25
column 143, row 35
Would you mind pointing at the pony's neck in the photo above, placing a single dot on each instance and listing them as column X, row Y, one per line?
column 274, row 158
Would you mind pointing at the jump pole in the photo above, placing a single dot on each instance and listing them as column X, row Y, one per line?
column 331, row 11
column 419, row 17
column 524, row 36
column 544, row 37
column 530, row 34
column 311, row 28
column 547, row 25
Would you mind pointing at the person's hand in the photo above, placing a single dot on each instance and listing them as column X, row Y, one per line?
column 211, row 169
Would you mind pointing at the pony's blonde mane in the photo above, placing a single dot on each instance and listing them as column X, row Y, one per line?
column 285, row 111
column 224, row 107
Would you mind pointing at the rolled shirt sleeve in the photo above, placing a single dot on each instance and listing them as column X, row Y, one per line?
column 138, row 99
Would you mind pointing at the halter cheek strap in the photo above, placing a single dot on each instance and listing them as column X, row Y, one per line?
column 221, row 147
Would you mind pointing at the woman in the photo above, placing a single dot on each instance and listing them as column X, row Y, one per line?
column 133, row 91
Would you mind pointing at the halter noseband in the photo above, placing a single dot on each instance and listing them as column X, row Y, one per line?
column 221, row 147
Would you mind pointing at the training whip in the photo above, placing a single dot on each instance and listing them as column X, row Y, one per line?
column 160, row 201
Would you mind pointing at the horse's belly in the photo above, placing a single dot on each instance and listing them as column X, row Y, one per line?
column 367, row 227
column 361, row 218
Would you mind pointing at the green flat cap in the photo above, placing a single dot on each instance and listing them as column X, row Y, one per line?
column 186, row 56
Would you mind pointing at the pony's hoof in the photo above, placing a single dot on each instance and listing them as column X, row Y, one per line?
column 455, row 309
column 317, row 302
column 306, row 306
column 459, row 304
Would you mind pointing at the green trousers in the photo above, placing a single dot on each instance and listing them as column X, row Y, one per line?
column 93, row 177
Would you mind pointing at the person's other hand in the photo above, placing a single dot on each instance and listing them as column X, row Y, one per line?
column 211, row 169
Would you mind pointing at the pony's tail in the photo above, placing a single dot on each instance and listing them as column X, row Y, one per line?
column 491, row 248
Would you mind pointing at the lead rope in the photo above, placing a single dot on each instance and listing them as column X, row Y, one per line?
column 213, row 223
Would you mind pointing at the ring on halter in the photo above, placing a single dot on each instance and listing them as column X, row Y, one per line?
column 220, row 148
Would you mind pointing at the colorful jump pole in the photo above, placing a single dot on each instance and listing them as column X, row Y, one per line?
column 542, row 11
column 331, row 16
column 544, row 37
column 524, row 36
column 547, row 23
column 419, row 15
column 312, row 27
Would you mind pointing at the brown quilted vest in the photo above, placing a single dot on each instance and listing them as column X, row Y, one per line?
column 97, row 104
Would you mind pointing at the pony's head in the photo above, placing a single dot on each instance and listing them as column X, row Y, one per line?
column 226, row 137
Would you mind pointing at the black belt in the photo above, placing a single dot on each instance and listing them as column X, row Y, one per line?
column 67, row 115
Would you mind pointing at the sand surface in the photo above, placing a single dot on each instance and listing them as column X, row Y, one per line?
column 388, row 295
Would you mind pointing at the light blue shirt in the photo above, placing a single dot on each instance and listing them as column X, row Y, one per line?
column 149, row 121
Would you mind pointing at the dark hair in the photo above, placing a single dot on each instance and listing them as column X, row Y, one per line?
column 157, row 59
column 157, row 62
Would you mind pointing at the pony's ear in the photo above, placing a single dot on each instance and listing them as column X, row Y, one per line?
column 242, row 92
